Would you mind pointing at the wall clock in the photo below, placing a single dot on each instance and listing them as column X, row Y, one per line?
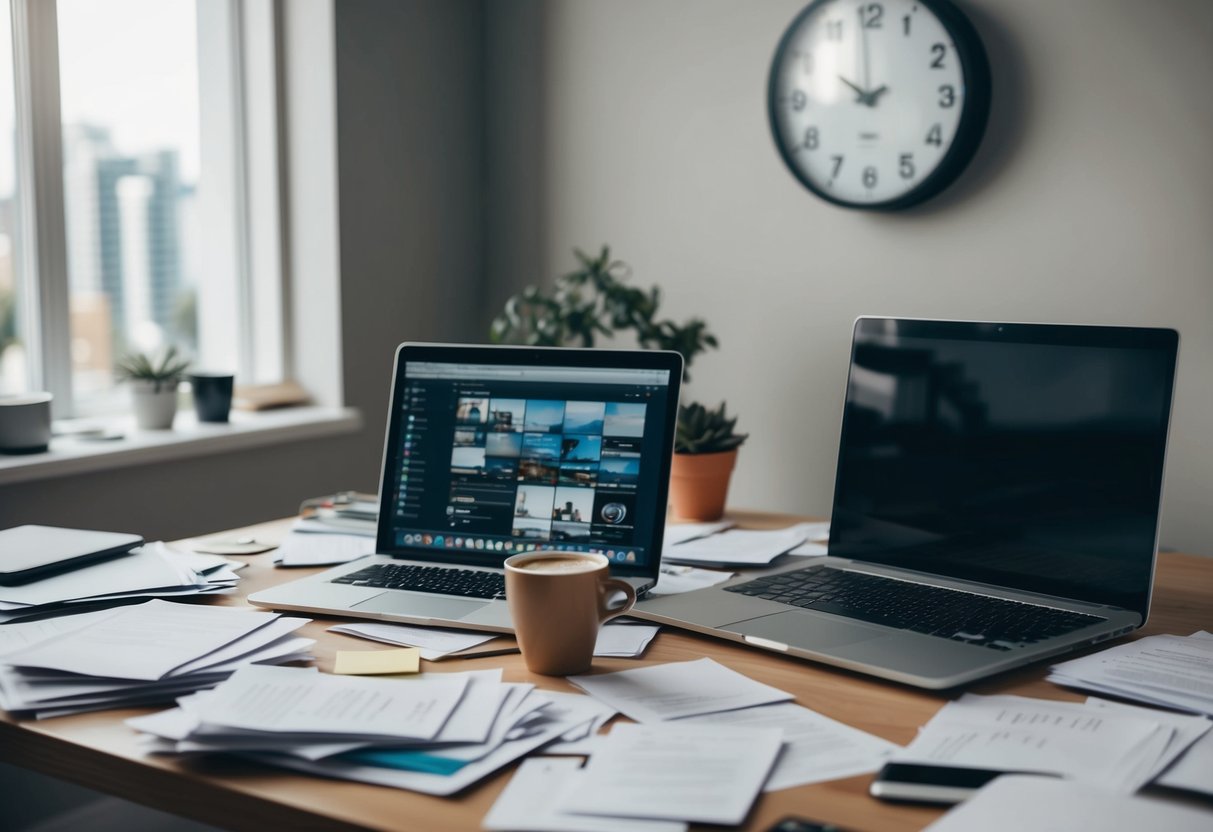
column 878, row 105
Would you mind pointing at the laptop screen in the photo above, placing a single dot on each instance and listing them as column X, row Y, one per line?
column 1025, row 456
column 488, row 458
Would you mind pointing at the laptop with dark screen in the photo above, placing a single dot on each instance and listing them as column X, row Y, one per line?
column 996, row 501
column 493, row 451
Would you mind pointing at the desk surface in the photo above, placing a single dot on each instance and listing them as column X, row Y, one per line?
column 98, row 751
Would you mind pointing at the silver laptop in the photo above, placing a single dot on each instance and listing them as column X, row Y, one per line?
column 492, row 451
column 996, row 501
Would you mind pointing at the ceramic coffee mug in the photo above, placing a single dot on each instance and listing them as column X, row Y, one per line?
column 212, row 395
column 558, row 600
column 25, row 423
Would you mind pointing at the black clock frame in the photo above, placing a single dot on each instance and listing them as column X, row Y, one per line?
column 975, row 111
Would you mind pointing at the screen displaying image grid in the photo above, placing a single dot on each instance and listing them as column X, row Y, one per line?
column 520, row 471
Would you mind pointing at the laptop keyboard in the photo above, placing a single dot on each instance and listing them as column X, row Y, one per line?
column 936, row 611
column 440, row 580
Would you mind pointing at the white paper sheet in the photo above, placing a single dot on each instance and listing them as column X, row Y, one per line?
column 18, row 637
column 1015, row 803
column 434, row 643
column 530, row 803
column 1015, row 733
column 624, row 641
column 307, row 549
column 816, row 748
column 563, row 717
column 143, row 642
column 739, row 546
column 1186, row 731
column 293, row 700
column 674, row 579
column 1169, row 670
column 1194, row 770
column 144, row 569
column 676, row 533
column 678, row 689
column 704, row 773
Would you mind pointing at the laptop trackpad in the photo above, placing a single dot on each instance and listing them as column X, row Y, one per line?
column 808, row 632
column 419, row 605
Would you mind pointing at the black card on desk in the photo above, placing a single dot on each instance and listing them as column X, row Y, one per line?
column 29, row 553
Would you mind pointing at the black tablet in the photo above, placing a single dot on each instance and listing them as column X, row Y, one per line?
column 29, row 553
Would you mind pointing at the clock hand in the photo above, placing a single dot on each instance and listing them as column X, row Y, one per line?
column 872, row 96
column 860, row 95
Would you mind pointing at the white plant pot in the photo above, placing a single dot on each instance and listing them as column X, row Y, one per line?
column 154, row 409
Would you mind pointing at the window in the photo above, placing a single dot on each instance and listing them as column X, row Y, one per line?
column 13, row 366
column 130, row 125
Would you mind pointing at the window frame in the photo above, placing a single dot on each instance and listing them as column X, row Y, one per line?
column 243, row 87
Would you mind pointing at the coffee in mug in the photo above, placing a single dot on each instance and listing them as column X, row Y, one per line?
column 558, row 601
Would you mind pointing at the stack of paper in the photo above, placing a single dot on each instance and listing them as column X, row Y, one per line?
column 710, row 741
column 431, row 732
column 1120, row 749
column 621, row 641
column 1171, row 671
column 307, row 548
column 744, row 547
column 1012, row 804
column 150, row 571
column 138, row 655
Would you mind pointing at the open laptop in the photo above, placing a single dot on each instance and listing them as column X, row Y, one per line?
column 996, row 501
column 492, row 451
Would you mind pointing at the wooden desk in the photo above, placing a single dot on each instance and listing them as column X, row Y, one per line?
column 98, row 751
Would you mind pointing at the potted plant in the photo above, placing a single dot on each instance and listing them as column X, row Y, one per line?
column 153, row 387
column 705, row 451
column 596, row 300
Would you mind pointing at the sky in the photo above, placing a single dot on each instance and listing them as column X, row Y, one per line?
column 131, row 64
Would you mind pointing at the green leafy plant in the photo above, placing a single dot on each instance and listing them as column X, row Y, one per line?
column 140, row 367
column 703, row 431
column 596, row 300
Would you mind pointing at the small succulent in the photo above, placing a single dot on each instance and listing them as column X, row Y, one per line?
column 139, row 366
column 703, row 431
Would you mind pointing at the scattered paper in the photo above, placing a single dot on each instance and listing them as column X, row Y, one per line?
column 674, row 579
column 17, row 637
column 1186, row 730
column 739, row 546
column 1194, row 770
column 676, row 533
column 531, row 801
column 435, row 643
column 302, row 549
column 709, row 774
column 1014, row 803
column 377, row 662
column 810, row 549
column 143, row 642
column 816, row 748
column 1015, row 733
column 294, row 700
column 624, row 641
column 678, row 689
column 1171, row 671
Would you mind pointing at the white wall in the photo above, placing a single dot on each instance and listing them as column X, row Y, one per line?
column 1091, row 201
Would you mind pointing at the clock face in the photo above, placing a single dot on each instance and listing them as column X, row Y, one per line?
column 878, row 103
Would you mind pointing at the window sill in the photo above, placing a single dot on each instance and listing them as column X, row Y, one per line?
column 75, row 455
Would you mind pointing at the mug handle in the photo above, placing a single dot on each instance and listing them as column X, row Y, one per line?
column 606, row 589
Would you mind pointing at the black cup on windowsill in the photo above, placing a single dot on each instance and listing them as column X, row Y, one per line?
column 212, row 395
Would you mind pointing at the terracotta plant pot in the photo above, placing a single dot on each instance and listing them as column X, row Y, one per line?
column 699, row 484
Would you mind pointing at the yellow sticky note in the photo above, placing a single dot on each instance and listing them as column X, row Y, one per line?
column 375, row 662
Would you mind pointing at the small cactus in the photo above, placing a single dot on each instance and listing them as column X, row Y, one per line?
column 703, row 431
